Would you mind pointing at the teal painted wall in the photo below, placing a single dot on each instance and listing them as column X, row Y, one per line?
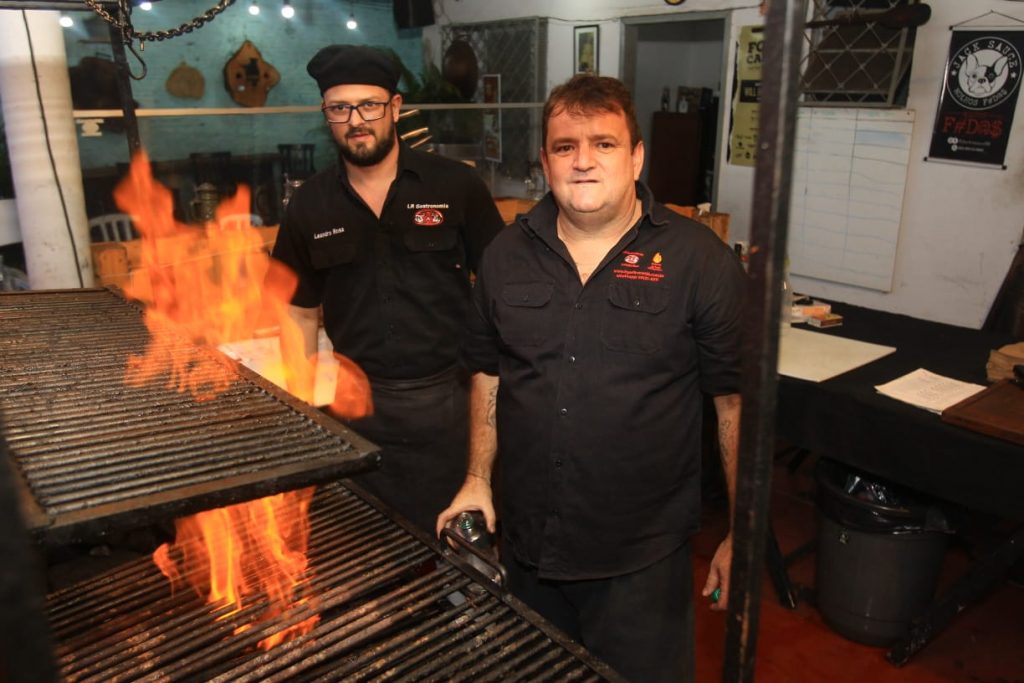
column 286, row 44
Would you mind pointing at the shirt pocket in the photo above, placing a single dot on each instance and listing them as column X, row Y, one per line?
column 329, row 253
column 420, row 239
column 634, row 320
column 524, row 313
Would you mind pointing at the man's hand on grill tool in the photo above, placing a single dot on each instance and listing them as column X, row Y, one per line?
column 717, row 585
column 475, row 494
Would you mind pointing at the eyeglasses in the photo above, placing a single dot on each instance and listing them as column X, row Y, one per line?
column 342, row 113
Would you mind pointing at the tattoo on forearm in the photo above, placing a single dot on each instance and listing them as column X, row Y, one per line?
column 492, row 407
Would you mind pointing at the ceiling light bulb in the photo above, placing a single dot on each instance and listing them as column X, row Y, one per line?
column 66, row 21
column 351, row 24
column 145, row 6
column 254, row 9
column 287, row 11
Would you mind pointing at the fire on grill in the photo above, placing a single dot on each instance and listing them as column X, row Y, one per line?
column 95, row 454
column 391, row 607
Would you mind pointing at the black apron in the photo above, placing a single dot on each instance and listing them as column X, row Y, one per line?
column 422, row 428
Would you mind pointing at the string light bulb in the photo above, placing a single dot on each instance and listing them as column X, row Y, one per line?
column 351, row 24
column 254, row 9
column 66, row 21
column 287, row 11
column 145, row 6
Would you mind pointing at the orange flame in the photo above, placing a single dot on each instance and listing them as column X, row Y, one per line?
column 255, row 548
column 214, row 284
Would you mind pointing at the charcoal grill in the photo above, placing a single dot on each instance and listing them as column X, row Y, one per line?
column 392, row 606
column 92, row 454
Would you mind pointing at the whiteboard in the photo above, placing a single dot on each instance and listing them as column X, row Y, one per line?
column 849, row 173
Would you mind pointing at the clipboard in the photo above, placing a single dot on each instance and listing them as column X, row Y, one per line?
column 998, row 411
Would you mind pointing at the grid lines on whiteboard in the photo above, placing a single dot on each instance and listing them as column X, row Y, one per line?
column 849, row 174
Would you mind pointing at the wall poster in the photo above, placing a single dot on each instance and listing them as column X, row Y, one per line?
column 979, row 96
column 746, row 97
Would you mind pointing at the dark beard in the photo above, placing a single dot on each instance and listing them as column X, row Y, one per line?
column 369, row 157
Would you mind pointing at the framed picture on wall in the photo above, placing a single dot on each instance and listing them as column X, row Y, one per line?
column 585, row 49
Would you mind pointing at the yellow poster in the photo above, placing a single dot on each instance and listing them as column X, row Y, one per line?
column 746, row 98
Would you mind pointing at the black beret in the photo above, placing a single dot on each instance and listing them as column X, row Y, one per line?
column 352, row 64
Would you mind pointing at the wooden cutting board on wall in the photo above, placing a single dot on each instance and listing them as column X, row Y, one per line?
column 248, row 77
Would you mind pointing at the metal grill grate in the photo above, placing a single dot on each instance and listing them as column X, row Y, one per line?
column 390, row 606
column 515, row 49
column 866, row 64
column 94, row 453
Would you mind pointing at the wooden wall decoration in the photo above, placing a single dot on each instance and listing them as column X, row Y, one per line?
column 186, row 81
column 248, row 78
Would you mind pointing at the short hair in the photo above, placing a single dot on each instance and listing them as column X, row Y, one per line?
column 587, row 94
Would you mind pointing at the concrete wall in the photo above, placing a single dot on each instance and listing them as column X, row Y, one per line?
column 960, row 226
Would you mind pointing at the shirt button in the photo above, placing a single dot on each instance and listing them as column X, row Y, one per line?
column 563, row 411
column 636, row 303
column 578, row 307
column 526, row 297
column 572, row 359
column 558, row 462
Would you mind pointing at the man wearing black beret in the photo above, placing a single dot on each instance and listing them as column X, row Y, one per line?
column 385, row 241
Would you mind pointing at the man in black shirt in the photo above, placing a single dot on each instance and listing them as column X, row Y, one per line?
column 600, row 318
column 385, row 241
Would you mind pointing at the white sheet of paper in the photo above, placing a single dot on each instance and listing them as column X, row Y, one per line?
column 263, row 356
column 817, row 357
column 927, row 390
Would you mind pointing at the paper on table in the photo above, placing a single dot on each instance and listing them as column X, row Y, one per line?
column 929, row 391
column 816, row 357
column 263, row 356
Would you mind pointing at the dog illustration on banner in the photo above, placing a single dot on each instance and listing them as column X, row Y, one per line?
column 984, row 72
column 982, row 79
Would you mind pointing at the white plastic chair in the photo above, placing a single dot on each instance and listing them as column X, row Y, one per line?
column 112, row 227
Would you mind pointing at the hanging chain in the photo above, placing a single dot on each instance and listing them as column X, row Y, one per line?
column 123, row 22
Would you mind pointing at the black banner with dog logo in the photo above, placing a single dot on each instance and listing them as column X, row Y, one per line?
column 979, row 95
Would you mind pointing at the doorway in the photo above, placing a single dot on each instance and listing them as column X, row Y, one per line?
column 675, row 67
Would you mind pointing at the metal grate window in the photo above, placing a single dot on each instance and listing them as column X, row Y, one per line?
column 863, row 63
column 515, row 49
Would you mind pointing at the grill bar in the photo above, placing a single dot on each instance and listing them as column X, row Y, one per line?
column 93, row 453
column 390, row 607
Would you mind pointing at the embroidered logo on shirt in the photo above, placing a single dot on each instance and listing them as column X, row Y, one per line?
column 428, row 217
column 632, row 259
column 629, row 269
column 328, row 233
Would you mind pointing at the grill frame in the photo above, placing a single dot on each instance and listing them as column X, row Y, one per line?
column 341, row 453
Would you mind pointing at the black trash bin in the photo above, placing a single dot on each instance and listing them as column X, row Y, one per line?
column 879, row 554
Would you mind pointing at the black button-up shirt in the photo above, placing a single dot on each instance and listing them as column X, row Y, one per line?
column 599, row 403
column 395, row 290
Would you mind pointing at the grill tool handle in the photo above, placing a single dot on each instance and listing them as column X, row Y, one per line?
column 487, row 565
